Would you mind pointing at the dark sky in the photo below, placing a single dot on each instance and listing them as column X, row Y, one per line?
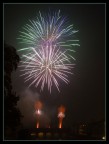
column 84, row 97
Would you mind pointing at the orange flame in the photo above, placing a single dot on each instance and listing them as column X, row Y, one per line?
column 60, row 122
column 37, row 125
column 61, row 109
column 38, row 106
column 60, row 125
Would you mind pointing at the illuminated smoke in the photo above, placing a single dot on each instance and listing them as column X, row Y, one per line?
column 61, row 115
column 38, row 107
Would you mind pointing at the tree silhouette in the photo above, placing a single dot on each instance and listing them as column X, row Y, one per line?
column 12, row 114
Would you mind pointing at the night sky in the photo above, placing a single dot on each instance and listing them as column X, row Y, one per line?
column 84, row 96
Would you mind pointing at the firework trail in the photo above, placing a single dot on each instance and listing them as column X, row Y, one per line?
column 61, row 115
column 47, row 55
column 38, row 107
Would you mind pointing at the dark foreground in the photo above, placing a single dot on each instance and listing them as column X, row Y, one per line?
column 54, row 134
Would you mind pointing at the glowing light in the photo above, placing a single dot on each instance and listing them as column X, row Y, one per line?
column 48, row 50
column 38, row 105
column 38, row 112
column 61, row 115
column 33, row 134
column 103, row 138
column 60, row 124
column 37, row 124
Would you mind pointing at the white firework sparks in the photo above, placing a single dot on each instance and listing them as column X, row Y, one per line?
column 38, row 112
column 61, row 115
column 45, row 66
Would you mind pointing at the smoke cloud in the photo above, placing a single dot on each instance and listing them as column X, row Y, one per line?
column 26, row 104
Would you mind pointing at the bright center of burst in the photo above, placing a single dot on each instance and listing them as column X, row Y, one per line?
column 47, row 65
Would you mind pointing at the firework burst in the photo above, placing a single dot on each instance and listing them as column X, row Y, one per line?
column 47, row 29
column 47, row 55
column 45, row 66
